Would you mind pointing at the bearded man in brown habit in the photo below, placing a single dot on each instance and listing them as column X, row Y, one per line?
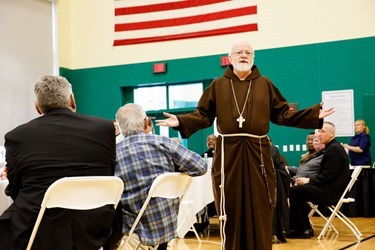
column 244, row 102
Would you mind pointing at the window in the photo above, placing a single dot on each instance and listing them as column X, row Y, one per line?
column 151, row 98
column 184, row 96
column 167, row 97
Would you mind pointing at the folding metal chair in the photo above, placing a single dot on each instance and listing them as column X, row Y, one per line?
column 314, row 209
column 167, row 185
column 80, row 193
column 335, row 209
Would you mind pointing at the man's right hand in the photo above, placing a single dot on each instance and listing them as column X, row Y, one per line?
column 171, row 121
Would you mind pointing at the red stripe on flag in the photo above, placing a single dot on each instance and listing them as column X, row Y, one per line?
column 164, row 6
column 187, row 20
column 223, row 31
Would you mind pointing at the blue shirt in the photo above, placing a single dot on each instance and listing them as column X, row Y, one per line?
column 361, row 140
column 140, row 159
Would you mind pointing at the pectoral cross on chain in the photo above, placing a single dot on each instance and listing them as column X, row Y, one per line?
column 240, row 121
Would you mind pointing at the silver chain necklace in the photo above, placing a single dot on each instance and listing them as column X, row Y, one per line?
column 240, row 119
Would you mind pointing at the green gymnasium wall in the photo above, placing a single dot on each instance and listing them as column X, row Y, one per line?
column 300, row 72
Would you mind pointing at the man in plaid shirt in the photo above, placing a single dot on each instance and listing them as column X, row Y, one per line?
column 140, row 159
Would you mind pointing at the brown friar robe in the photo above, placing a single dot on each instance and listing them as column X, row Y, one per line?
column 249, row 192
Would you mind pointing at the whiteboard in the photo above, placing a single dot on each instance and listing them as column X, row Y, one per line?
column 343, row 103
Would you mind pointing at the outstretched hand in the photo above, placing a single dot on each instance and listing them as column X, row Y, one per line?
column 171, row 121
column 325, row 112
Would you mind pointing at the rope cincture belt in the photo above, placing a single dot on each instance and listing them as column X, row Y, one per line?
column 223, row 214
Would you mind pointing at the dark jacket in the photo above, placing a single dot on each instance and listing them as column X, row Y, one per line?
column 333, row 176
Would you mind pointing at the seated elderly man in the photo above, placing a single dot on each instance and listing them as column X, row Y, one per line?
column 141, row 158
column 310, row 167
column 325, row 188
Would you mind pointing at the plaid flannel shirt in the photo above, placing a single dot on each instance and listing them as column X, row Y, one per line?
column 140, row 159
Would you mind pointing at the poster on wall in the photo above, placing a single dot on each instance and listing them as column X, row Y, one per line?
column 343, row 103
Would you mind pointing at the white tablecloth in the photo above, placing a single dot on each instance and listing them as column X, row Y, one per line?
column 5, row 201
column 363, row 166
column 200, row 193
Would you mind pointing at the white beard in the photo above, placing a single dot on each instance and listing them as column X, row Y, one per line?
column 242, row 67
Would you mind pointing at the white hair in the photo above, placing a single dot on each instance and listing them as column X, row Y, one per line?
column 130, row 119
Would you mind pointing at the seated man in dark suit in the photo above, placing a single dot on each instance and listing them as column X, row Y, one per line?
column 59, row 143
column 141, row 158
column 323, row 189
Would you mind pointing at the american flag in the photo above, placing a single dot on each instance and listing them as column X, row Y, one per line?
column 146, row 21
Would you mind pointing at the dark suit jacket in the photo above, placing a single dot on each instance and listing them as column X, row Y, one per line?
column 209, row 153
column 333, row 177
column 58, row 144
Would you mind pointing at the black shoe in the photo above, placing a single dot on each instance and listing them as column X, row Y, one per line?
column 281, row 237
column 275, row 240
column 306, row 234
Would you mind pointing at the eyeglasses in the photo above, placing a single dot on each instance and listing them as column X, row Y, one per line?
column 239, row 53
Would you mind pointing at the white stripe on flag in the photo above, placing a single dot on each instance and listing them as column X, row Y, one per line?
column 217, row 18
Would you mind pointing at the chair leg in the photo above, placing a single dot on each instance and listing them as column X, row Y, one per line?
column 314, row 209
column 349, row 224
column 337, row 213
column 192, row 228
column 327, row 225
column 331, row 225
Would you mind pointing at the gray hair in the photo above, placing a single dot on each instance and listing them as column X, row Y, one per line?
column 331, row 126
column 130, row 119
column 52, row 92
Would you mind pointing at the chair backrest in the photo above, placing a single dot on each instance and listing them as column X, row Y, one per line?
column 170, row 185
column 80, row 193
column 84, row 192
column 356, row 172
column 354, row 177
column 167, row 185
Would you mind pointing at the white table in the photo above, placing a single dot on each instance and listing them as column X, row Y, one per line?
column 363, row 166
column 200, row 194
column 5, row 201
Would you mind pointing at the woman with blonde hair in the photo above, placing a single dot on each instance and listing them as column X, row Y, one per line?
column 359, row 146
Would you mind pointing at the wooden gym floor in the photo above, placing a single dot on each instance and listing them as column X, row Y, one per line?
column 345, row 239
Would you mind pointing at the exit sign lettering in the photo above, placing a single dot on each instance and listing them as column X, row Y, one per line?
column 159, row 68
column 224, row 61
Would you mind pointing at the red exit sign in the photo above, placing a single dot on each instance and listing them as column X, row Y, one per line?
column 224, row 61
column 159, row 68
